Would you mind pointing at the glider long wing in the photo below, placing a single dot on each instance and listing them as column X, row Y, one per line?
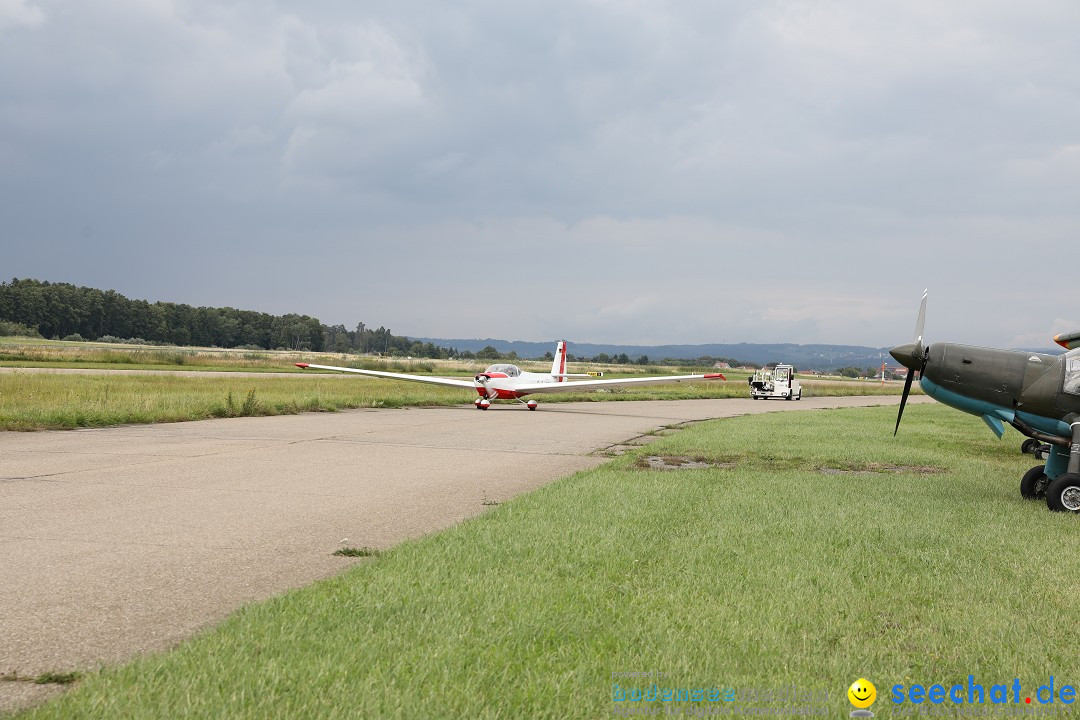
column 395, row 376
column 616, row 382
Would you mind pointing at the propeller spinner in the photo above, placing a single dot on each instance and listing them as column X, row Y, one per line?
column 912, row 356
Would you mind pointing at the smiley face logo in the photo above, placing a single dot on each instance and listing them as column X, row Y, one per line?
column 862, row 693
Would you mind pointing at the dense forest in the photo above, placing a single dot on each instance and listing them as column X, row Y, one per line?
column 61, row 310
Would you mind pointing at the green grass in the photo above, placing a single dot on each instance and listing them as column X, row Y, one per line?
column 356, row 552
column 30, row 401
column 763, row 573
column 33, row 401
column 37, row 401
column 46, row 678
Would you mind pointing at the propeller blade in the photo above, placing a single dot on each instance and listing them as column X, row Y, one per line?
column 922, row 318
column 903, row 398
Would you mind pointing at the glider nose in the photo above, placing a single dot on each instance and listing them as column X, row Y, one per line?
column 909, row 355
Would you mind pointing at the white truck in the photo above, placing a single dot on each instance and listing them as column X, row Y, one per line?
column 779, row 382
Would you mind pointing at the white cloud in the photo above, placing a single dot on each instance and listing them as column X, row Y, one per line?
column 20, row 13
column 1045, row 337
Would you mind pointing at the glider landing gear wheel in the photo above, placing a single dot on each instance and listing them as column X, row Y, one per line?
column 1063, row 494
column 1033, row 484
column 483, row 404
column 531, row 404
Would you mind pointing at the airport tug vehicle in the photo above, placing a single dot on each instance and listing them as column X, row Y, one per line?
column 780, row 382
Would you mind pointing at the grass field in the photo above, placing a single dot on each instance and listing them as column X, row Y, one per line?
column 37, row 401
column 24, row 352
column 32, row 401
column 815, row 549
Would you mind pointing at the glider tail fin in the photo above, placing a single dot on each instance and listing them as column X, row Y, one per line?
column 558, row 366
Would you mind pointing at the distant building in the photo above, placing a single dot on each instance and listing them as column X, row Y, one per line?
column 722, row 366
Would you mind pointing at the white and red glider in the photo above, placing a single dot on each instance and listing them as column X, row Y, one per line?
column 509, row 382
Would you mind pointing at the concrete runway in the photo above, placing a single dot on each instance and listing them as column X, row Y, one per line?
column 125, row 540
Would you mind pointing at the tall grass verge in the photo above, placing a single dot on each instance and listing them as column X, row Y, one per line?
column 32, row 401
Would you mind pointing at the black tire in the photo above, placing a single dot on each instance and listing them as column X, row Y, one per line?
column 1028, row 446
column 800, row 395
column 1063, row 494
column 789, row 397
column 1033, row 484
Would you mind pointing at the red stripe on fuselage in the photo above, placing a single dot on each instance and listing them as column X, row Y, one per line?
column 499, row 394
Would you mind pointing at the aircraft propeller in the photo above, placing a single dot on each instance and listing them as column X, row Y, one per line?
column 913, row 356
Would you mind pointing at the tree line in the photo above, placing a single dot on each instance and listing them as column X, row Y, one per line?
column 61, row 310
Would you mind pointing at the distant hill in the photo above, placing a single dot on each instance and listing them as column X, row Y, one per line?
column 806, row 357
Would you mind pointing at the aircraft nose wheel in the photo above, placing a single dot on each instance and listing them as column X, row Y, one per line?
column 1063, row 494
column 531, row 404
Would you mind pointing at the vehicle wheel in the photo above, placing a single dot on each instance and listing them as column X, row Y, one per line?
column 1028, row 446
column 789, row 396
column 1033, row 484
column 800, row 395
column 1063, row 494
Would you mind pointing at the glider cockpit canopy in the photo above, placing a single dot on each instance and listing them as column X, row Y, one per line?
column 508, row 370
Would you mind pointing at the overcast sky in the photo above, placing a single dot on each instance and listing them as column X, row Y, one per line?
column 618, row 171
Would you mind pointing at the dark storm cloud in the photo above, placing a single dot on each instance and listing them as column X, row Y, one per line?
column 608, row 171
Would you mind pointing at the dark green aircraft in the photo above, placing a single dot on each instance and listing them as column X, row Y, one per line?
column 1036, row 393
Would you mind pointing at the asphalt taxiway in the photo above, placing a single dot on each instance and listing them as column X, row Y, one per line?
column 126, row 540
